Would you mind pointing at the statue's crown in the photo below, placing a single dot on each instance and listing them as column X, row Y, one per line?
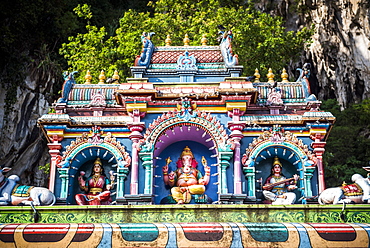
column 187, row 151
column 276, row 161
column 97, row 161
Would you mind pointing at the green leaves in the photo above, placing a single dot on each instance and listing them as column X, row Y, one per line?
column 347, row 149
column 260, row 40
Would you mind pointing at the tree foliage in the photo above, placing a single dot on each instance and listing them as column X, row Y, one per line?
column 260, row 40
column 347, row 149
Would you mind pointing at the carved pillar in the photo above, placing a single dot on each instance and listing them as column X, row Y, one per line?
column 236, row 135
column 135, row 136
column 121, row 177
column 54, row 151
column 64, row 176
column 318, row 148
column 224, row 159
column 250, row 175
column 308, row 173
column 224, row 196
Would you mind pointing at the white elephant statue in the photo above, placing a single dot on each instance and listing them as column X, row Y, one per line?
column 357, row 192
column 11, row 193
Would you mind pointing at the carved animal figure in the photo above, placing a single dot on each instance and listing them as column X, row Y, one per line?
column 357, row 192
column 11, row 193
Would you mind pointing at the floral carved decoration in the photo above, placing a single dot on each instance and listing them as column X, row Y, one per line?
column 209, row 123
column 84, row 140
column 277, row 135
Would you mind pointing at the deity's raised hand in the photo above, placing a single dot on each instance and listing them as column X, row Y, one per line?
column 207, row 169
column 80, row 178
column 165, row 169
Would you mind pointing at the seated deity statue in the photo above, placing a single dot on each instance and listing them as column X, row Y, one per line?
column 186, row 180
column 276, row 186
column 96, row 187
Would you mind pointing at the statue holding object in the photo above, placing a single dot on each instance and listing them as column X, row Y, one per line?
column 96, row 187
column 186, row 180
column 276, row 186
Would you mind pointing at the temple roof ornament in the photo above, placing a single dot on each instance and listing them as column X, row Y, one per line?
column 168, row 40
column 96, row 135
column 284, row 76
column 115, row 78
column 274, row 97
column 303, row 78
column 98, row 100
column 257, row 75
column 88, row 77
column 270, row 76
column 226, row 49
column 186, row 109
column 67, row 86
column 148, row 48
column 204, row 40
column 102, row 77
column 186, row 62
column 186, row 40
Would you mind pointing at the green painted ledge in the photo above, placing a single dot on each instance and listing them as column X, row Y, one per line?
column 188, row 213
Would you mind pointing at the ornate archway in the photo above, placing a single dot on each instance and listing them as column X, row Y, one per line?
column 284, row 145
column 173, row 127
column 84, row 149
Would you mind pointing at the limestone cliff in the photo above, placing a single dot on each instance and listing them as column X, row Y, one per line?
column 22, row 143
column 340, row 52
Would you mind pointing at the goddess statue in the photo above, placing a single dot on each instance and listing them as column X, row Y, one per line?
column 186, row 180
column 276, row 186
column 97, row 186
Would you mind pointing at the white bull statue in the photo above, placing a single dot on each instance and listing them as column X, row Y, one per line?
column 11, row 193
column 357, row 192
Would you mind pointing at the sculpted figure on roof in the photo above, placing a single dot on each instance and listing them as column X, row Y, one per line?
column 148, row 48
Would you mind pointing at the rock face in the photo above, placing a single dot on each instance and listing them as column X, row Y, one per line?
column 339, row 55
column 340, row 52
column 23, row 145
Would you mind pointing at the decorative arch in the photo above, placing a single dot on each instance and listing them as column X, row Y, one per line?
column 172, row 127
column 84, row 149
column 284, row 145
column 169, row 120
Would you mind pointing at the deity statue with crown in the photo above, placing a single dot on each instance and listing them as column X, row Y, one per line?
column 276, row 186
column 187, row 181
column 96, row 187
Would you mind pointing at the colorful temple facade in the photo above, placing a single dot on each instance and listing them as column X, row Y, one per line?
column 186, row 145
column 188, row 96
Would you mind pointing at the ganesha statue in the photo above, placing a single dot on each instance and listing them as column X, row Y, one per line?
column 187, row 182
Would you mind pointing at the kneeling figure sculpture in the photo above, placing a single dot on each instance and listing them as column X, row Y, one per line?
column 11, row 193
column 357, row 192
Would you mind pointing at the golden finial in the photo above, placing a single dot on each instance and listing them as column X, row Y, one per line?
column 284, row 76
column 204, row 40
column 257, row 75
column 102, row 77
column 115, row 76
column 186, row 40
column 168, row 40
column 270, row 76
column 88, row 77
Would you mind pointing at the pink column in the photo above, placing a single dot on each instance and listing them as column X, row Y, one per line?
column 236, row 135
column 318, row 149
column 54, row 151
column 135, row 136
